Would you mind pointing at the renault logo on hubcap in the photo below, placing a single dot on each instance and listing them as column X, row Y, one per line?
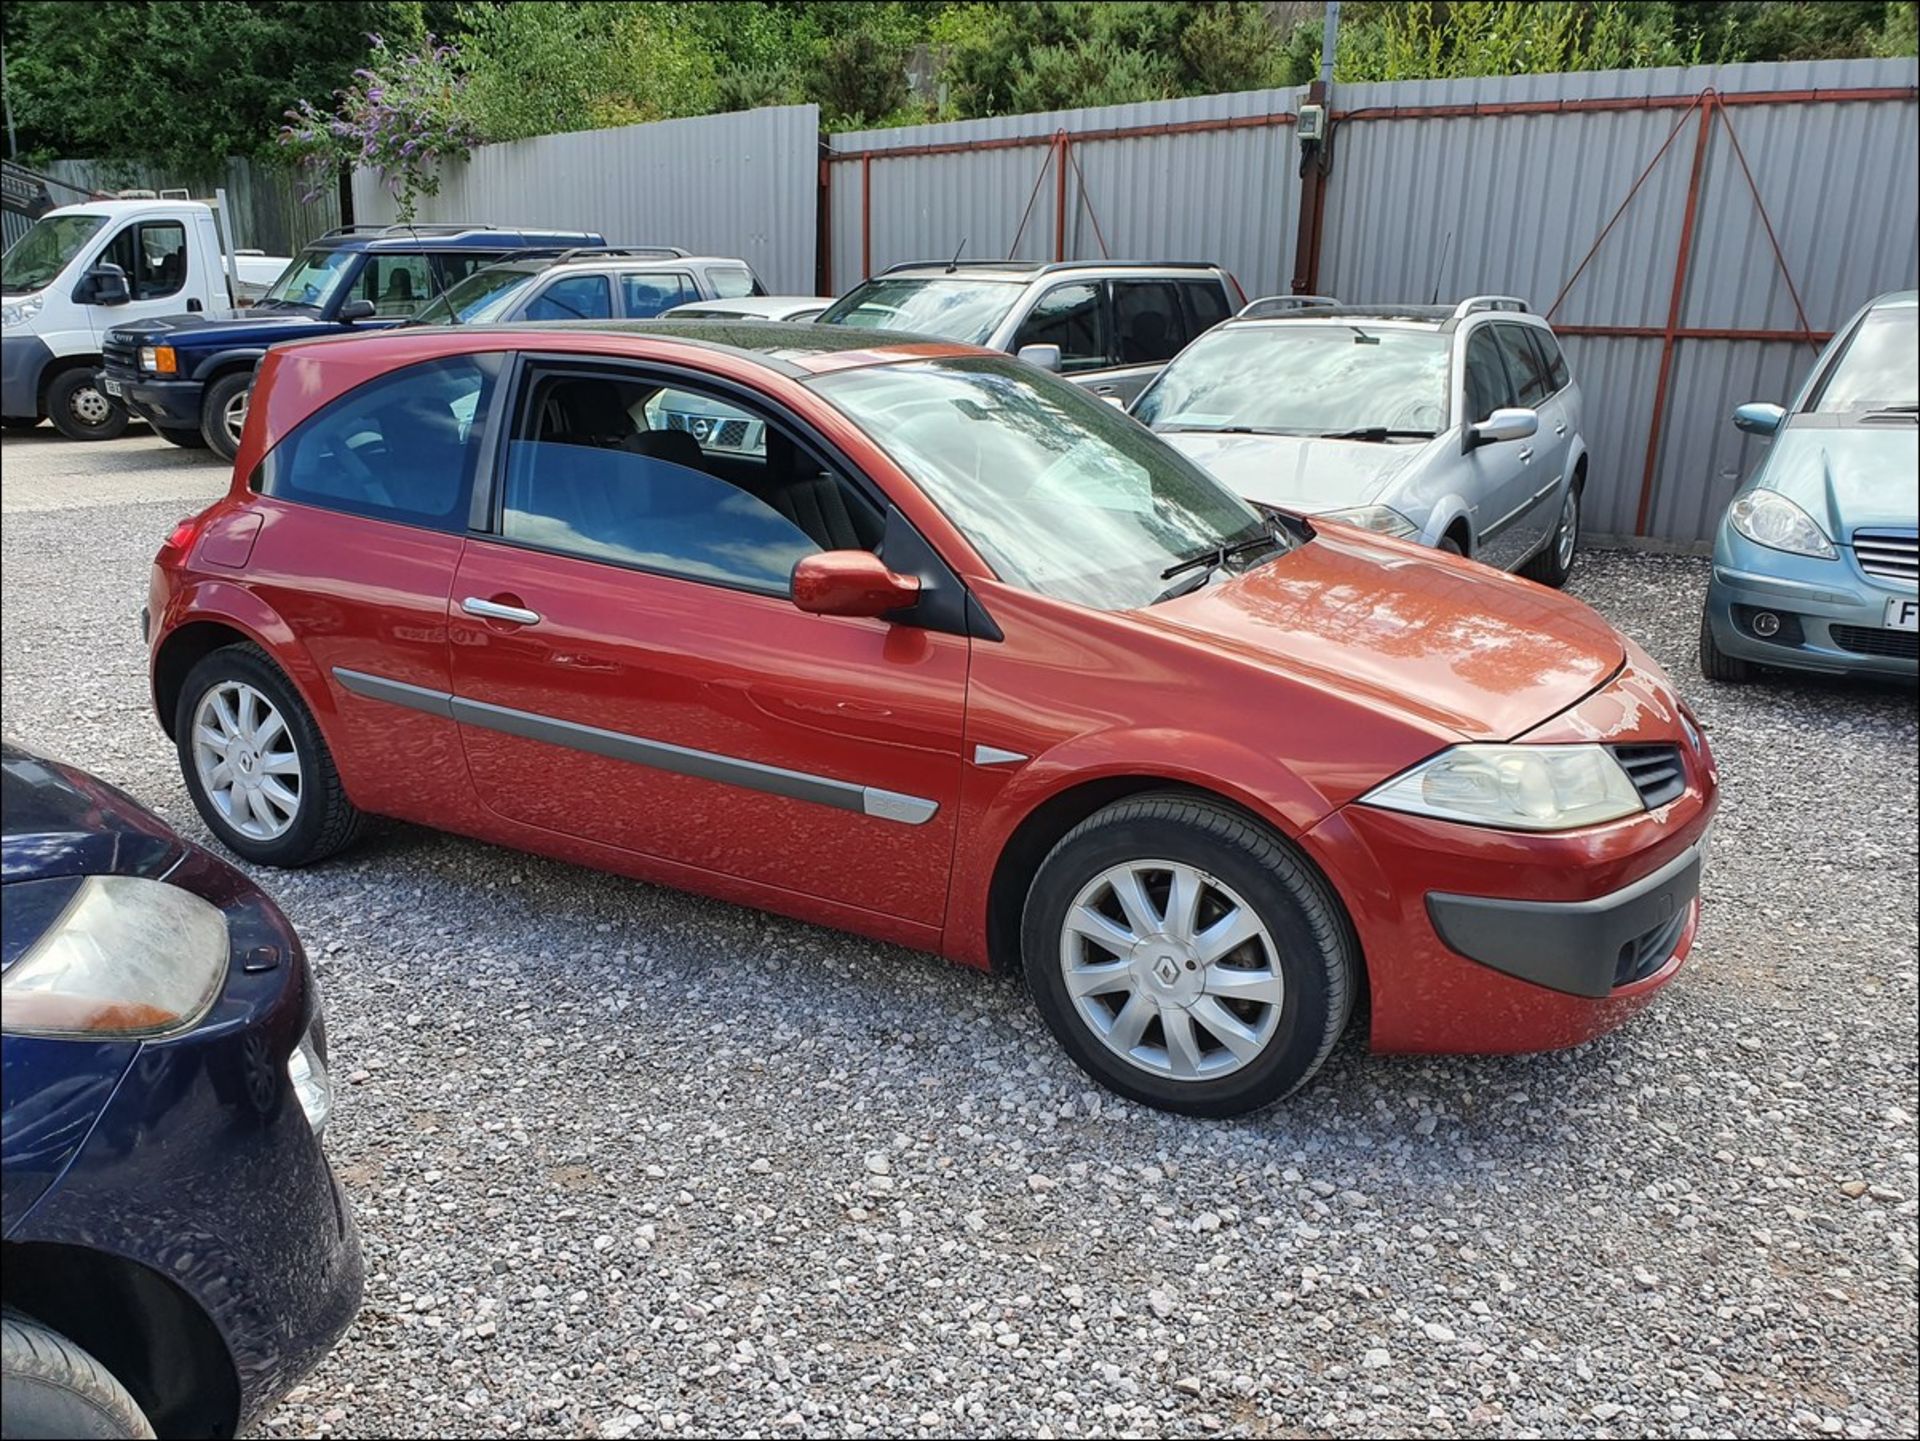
column 1167, row 970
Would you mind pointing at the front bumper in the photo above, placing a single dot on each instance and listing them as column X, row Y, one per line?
column 204, row 1169
column 174, row 404
column 23, row 360
column 1833, row 615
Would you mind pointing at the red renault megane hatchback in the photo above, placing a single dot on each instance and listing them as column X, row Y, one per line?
column 921, row 642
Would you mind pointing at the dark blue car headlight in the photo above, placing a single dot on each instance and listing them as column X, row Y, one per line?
column 125, row 958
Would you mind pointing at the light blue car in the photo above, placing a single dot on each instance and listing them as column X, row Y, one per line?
column 1815, row 564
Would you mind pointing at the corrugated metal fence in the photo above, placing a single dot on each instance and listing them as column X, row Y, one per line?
column 742, row 184
column 1469, row 186
column 268, row 209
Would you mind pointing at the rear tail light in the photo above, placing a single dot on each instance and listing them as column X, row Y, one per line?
column 180, row 539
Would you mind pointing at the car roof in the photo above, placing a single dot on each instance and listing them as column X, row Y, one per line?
column 1023, row 270
column 787, row 348
column 408, row 238
column 539, row 260
column 1895, row 299
column 1430, row 319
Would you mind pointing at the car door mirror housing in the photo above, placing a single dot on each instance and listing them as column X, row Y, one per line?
column 1759, row 417
column 355, row 310
column 1046, row 357
column 851, row 582
column 104, row 284
column 1507, row 423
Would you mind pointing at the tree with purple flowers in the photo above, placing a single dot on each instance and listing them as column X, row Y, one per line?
column 404, row 115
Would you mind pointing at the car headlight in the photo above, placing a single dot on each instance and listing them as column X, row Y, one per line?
column 127, row 957
column 1518, row 787
column 1768, row 518
column 1380, row 519
column 307, row 1070
column 19, row 312
column 158, row 359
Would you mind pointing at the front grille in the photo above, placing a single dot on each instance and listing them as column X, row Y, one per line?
column 710, row 431
column 1871, row 640
column 120, row 354
column 1657, row 772
column 1651, row 949
column 1885, row 554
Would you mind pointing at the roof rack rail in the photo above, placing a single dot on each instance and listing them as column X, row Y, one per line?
column 419, row 227
column 1489, row 302
column 1268, row 305
column 636, row 252
column 1049, row 267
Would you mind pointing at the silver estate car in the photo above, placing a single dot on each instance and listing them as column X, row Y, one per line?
column 1457, row 426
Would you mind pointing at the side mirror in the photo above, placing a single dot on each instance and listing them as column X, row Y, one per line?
column 355, row 310
column 105, row 284
column 1047, row 357
column 1757, row 417
column 1504, row 424
column 850, row 582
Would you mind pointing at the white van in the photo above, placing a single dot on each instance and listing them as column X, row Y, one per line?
column 84, row 268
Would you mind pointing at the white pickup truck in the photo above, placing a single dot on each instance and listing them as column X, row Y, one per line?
column 84, row 268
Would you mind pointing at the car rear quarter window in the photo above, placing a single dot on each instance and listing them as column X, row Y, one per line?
column 400, row 448
column 1525, row 367
column 1551, row 357
column 1206, row 303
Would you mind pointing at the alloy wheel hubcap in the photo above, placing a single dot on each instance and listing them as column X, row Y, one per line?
column 246, row 760
column 89, row 406
column 1569, row 528
column 236, row 415
column 1171, row 970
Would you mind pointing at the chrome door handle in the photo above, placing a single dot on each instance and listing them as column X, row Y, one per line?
column 1526, row 455
column 493, row 610
column 1560, row 429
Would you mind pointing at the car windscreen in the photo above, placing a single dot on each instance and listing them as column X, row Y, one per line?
column 1879, row 369
column 964, row 310
column 1296, row 379
column 1059, row 492
column 482, row 296
column 45, row 250
column 314, row 279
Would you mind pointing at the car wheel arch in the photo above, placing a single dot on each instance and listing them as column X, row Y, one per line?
column 58, row 366
column 203, row 624
column 155, row 1338
column 224, row 363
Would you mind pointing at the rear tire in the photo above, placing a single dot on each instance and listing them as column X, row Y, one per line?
column 80, row 410
column 56, row 1389
column 1716, row 664
column 185, row 439
column 223, row 413
column 1225, row 1026
column 320, row 821
column 1553, row 562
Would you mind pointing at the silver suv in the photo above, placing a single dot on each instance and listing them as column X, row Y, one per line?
column 590, row 282
column 1456, row 426
column 1107, row 325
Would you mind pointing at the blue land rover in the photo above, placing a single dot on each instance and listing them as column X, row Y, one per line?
column 188, row 375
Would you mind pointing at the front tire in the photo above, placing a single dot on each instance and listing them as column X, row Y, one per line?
column 80, row 410
column 1186, row 957
column 186, row 439
column 223, row 413
column 1716, row 664
column 56, row 1389
column 255, row 763
column 1553, row 562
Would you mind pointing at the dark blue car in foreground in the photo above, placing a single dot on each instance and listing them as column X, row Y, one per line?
column 176, row 1251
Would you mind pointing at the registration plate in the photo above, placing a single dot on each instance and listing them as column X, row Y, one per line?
column 1903, row 615
column 113, row 388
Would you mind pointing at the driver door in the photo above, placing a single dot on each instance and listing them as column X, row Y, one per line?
column 1500, row 475
column 628, row 667
column 155, row 255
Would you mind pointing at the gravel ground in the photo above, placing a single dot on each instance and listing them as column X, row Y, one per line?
column 630, row 1162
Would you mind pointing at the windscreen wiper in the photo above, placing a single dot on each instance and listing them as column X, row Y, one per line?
column 1217, row 430
column 1196, row 570
column 1375, row 433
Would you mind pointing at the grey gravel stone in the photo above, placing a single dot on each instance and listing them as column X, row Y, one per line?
column 546, row 1056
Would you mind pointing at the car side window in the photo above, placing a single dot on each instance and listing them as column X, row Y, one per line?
column 396, row 284
column 1206, row 304
column 648, row 292
column 573, row 297
column 1524, row 365
column 613, row 467
column 1071, row 317
column 453, row 266
column 1550, row 357
column 1486, row 379
column 732, row 282
column 154, row 255
column 399, row 448
column 1147, row 323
